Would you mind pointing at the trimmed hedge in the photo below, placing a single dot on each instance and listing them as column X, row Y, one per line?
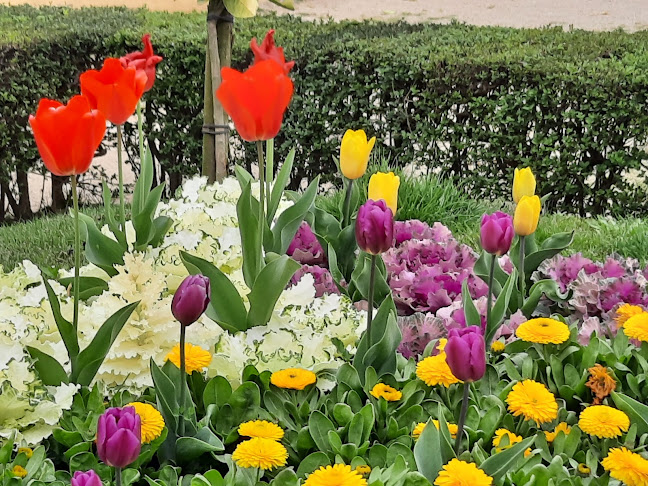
column 470, row 102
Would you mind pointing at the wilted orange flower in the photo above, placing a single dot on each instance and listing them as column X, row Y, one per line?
column 601, row 383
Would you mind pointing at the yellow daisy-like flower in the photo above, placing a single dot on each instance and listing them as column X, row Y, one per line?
column 387, row 392
column 528, row 452
column 460, row 473
column 441, row 345
column 196, row 358
column 363, row 469
column 434, row 370
column 19, row 471
column 625, row 312
column 533, row 401
column 500, row 434
column 261, row 453
column 27, row 451
column 561, row 427
column 583, row 468
column 418, row 430
column 261, row 428
column 543, row 331
column 626, row 466
column 603, row 421
column 293, row 378
column 497, row 346
column 152, row 421
column 637, row 327
column 336, row 475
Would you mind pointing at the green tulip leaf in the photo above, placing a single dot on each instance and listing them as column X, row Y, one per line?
column 247, row 210
column 548, row 248
column 496, row 466
column 49, row 370
column 289, row 221
column 66, row 329
column 88, row 286
column 637, row 411
column 500, row 308
column 242, row 9
column 279, row 185
column 426, row 452
column 473, row 317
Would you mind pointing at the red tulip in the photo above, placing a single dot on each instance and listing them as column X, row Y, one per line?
column 256, row 99
column 143, row 61
column 114, row 90
column 268, row 50
column 67, row 136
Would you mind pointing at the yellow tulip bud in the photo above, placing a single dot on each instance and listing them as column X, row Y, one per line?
column 354, row 153
column 385, row 186
column 524, row 184
column 527, row 214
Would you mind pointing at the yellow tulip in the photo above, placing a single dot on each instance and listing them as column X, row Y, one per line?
column 385, row 186
column 524, row 184
column 527, row 214
column 354, row 153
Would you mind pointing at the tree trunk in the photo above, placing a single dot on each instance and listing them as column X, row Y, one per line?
column 215, row 129
column 58, row 198
column 24, row 204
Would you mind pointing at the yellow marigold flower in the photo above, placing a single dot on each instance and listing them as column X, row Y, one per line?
column 261, row 428
column 533, row 401
column 543, row 331
column 196, row 358
column 497, row 346
column 626, row 466
column 385, row 186
column 527, row 215
column 511, row 439
column 583, row 468
column 354, row 153
column 363, row 469
column 442, row 344
column 637, row 327
column 434, row 370
column 460, row 473
column 418, row 430
column 27, row 451
column 387, row 392
column 261, row 453
column 524, row 184
column 152, row 421
column 600, row 382
column 19, row 471
column 528, row 452
column 603, row 421
column 336, row 475
column 625, row 312
column 293, row 378
column 561, row 427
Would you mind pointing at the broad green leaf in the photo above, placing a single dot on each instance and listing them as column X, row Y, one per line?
column 637, row 411
column 65, row 327
column 248, row 219
column 498, row 465
column 312, row 462
column 549, row 248
column 143, row 184
column 547, row 287
column 289, row 4
column 190, row 448
column 7, row 449
column 286, row 477
column 49, row 369
column 498, row 311
column 101, row 250
column 110, row 218
column 166, row 396
column 161, row 225
column 470, row 311
column 88, row 286
column 218, row 391
column 280, row 183
column 289, row 221
column 426, row 453
column 226, row 305
column 242, row 8
column 319, row 426
column 143, row 221
column 482, row 270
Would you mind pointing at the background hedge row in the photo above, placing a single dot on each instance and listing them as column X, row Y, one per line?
column 472, row 103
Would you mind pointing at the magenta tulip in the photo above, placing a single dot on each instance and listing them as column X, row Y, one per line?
column 305, row 247
column 374, row 227
column 497, row 233
column 119, row 436
column 86, row 478
column 191, row 299
column 466, row 353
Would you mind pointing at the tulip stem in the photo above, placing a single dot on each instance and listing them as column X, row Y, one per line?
column 261, row 191
column 489, row 298
column 140, row 130
column 183, row 378
column 462, row 418
column 120, row 168
column 522, row 279
column 269, row 171
column 77, row 250
column 372, row 284
column 118, row 476
column 347, row 203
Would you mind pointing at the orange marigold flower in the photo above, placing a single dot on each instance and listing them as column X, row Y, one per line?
column 601, row 383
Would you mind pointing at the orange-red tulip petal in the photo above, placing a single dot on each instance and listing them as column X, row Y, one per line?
column 256, row 99
column 144, row 60
column 67, row 136
column 114, row 90
column 268, row 50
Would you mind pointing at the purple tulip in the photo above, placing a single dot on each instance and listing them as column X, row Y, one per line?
column 466, row 353
column 119, row 436
column 305, row 247
column 374, row 227
column 497, row 232
column 191, row 299
column 87, row 478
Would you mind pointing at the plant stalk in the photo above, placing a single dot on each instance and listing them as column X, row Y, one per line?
column 347, row 203
column 489, row 298
column 522, row 276
column 118, row 476
column 77, row 250
column 120, row 166
column 183, row 378
column 269, row 173
column 261, row 191
column 140, row 130
column 372, row 284
column 462, row 418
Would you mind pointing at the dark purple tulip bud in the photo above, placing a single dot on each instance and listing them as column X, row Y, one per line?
column 86, row 478
column 374, row 227
column 119, row 436
column 466, row 353
column 191, row 299
column 497, row 233
column 305, row 247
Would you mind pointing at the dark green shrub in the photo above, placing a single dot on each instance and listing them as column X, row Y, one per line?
column 471, row 102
